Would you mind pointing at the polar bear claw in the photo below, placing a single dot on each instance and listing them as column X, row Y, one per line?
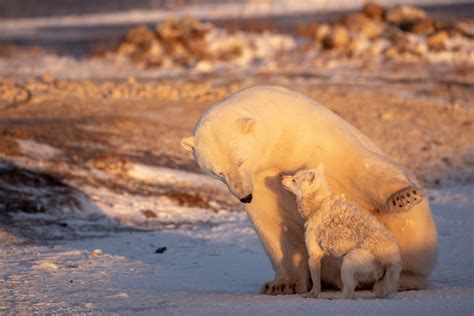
column 279, row 286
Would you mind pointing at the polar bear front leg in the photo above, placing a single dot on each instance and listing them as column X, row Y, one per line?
column 283, row 243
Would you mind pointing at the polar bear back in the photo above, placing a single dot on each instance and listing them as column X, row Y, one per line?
column 298, row 116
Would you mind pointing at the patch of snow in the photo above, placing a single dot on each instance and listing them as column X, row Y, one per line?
column 168, row 176
column 39, row 150
column 45, row 265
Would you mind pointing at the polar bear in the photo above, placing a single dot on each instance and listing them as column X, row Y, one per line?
column 335, row 226
column 252, row 136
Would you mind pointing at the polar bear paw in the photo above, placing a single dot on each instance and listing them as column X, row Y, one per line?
column 279, row 286
column 404, row 199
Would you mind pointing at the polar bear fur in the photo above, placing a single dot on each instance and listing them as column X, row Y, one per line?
column 252, row 136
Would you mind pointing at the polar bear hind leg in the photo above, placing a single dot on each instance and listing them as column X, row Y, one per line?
column 404, row 199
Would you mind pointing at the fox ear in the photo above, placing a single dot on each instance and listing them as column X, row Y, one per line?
column 245, row 124
column 320, row 168
column 188, row 143
column 310, row 176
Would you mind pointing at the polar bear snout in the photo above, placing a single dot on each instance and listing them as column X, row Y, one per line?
column 247, row 199
column 239, row 184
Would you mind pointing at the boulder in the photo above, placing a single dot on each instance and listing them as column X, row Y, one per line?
column 437, row 41
column 338, row 37
column 374, row 11
column 322, row 31
column 423, row 27
column 404, row 14
column 360, row 23
column 139, row 35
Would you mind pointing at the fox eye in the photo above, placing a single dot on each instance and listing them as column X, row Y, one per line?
column 293, row 180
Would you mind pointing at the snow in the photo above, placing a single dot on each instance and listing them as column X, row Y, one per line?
column 39, row 150
column 168, row 176
column 213, row 265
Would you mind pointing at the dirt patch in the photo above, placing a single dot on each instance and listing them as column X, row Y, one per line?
column 9, row 147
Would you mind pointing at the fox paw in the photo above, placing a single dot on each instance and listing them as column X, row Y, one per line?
column 280, row 286
column 311, row 294
column 404, row 199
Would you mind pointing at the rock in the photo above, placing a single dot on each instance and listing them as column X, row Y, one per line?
column 197, row 28
column 161, row 250
column 125, row 48
column 96, row 252
column 321, row 32
column 169, row 31
column 149, row 214
column 197, row 47
column 391, row 53
column 465, row 28
column 357, row 45
column 359, row 23
column 354, row 20
column 374, row 11
column 189, row 27
column 45, row 265
column 401, row 43
column 404, row 14
column 377, row 47
column 437, row 41
column 423, row 27
column 139, row 35
column 154, row 55
column 338, row 37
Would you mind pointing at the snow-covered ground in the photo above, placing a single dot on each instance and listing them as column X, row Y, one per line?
column 212, row 264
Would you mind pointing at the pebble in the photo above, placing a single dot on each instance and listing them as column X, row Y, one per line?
column 96, row 252
column 161, row 250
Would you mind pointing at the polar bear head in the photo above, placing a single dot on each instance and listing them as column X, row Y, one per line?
column 225, row 147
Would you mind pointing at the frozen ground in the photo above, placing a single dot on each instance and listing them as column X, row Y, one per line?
column 94, row 184
column 212, row 265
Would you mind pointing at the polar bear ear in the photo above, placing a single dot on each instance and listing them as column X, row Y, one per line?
column 245, row 124
column 188, row 143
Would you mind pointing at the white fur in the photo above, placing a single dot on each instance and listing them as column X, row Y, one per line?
column 251, row 137
column 338, row 228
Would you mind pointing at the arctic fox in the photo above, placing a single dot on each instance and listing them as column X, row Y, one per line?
column 338, row 228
